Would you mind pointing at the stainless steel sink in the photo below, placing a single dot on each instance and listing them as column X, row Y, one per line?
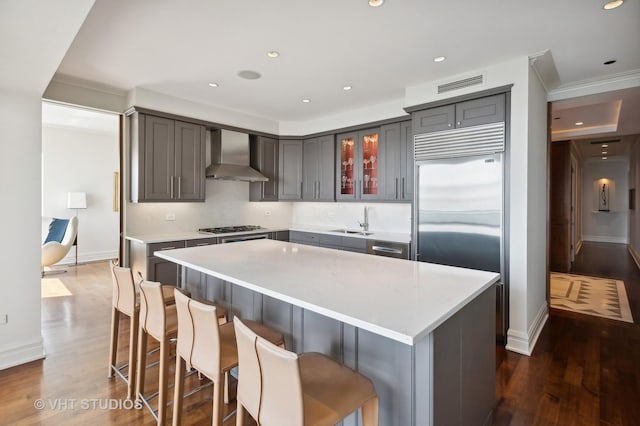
column 353, row 232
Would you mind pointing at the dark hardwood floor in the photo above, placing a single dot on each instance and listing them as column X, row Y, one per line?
column 585, row 370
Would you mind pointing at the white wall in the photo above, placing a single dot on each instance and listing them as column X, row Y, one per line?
column 537, row 309
column 77, row 160
column 612, row 226
column 383, row 217
column 35, row 37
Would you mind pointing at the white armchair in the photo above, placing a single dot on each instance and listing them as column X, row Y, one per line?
column 53, row 251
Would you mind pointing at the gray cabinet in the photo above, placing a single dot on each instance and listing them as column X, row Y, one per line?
column 264, row 158
column 152, row 268
column 338, row 242
column 290, row 170
column 317, row 169
column 398, row 161
column 489, row 109
column 167, row 160
column 360, row 165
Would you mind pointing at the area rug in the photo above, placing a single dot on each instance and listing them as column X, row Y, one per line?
column 603, row 297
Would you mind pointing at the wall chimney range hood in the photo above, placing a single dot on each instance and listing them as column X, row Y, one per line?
column 230, row 158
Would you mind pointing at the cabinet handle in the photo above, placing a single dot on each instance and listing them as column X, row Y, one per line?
column 318, row 189
column 202, row 244
column 172, row 186
column 360, row 185
column 386, row 249
column 403, row 188
column 167, row 248
column 301, row 189
column 396, row 196
column 179, row 186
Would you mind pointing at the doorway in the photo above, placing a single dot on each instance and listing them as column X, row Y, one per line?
column 81, row 157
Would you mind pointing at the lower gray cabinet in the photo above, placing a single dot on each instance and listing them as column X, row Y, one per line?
column 153, row 268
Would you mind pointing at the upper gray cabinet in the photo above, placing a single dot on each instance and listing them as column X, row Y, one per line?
column 360, row 165
column 290, row 169
column 475, row 112
column 318, row 169
column 264, row 158
column 167, row 160
column 398, row 161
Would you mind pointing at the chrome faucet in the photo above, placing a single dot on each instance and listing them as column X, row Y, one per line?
column 365, row 225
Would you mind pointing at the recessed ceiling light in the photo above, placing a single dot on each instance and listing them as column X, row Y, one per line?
column 347, row 88
column 579, row 123
column 439, row 58
column 604, row 145
column 249, row 75
column 376, row 3
column 306, row 101
column 609, row 62
column 612, row 4
column 213, row 84
column 273, row 53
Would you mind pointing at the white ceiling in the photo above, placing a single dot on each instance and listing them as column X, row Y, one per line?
column 176, row 48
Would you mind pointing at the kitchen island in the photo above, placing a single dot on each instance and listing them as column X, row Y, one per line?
column 423, row 333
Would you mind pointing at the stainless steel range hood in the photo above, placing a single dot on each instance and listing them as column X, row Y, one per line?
column 230, row 157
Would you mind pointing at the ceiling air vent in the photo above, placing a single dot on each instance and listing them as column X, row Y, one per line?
column 455, row 85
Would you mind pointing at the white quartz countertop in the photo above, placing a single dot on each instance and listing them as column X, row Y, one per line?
column 399, row 299
column 161, row 237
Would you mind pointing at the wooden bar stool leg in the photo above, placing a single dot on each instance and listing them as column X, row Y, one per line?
column 142, row 362
column 178, row 391
column 133, row 345
column 370, row 412
column 113, row 346
column 218, row 397
column 164, row 382
column 239, row 415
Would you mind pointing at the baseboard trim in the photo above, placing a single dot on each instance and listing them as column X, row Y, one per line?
column 600, row 239
column 523, row 343
column 635, row 255
column 70, row 258
column 22, row 354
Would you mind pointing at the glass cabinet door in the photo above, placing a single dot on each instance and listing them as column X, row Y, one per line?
column 347, row 164
column 370, row 164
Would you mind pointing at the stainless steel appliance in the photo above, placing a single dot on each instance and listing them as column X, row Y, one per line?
column 388, row 249
column 460, row 217
column 230, row 229
column 245, row 237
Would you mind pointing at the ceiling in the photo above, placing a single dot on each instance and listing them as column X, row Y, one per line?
column 177, row 48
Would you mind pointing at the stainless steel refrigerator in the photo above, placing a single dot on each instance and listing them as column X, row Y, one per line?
column 460, row 217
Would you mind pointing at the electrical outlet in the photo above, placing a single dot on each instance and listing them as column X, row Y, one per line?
column 170, row 216
column 4, row 318
column 267, row 212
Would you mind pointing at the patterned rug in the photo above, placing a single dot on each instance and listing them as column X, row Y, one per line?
column 603, row 297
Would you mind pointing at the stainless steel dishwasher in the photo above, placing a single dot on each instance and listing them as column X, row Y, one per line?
column 388, row 249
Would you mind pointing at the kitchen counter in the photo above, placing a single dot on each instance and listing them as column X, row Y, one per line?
column 415, row 297
column 423, row 333
column 193, row 235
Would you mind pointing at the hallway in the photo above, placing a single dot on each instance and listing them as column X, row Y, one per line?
column 584, row 369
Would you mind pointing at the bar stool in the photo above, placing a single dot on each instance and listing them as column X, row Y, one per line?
column 125, row 301
column 159, row 321
column 208, row 347
column 310, row 389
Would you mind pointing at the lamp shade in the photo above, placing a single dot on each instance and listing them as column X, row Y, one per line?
column 77, row 200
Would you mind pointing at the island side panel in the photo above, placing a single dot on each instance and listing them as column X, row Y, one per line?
column 464, row 364
column 388, row 364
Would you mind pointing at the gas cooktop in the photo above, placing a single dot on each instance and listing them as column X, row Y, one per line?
column 230, row 229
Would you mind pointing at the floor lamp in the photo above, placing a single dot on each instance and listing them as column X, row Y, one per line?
column 77, row 200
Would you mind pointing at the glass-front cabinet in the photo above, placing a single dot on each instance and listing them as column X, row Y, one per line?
column 358, row 165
